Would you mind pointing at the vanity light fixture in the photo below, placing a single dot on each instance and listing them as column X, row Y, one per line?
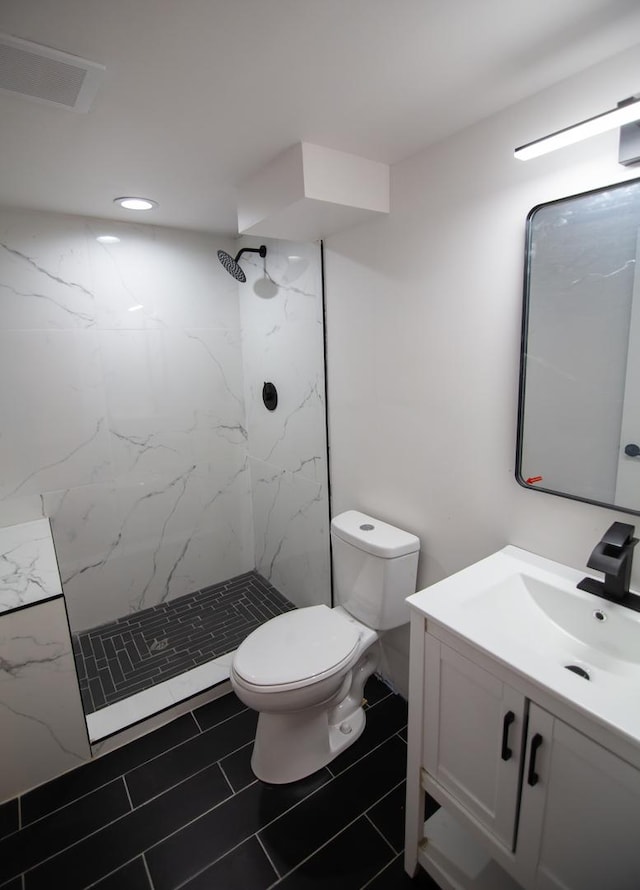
column 626, row 113
column 132, row 203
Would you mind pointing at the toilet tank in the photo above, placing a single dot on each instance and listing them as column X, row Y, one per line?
column 374, row 569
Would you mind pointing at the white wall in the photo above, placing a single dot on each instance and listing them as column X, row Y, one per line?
column 423, row 319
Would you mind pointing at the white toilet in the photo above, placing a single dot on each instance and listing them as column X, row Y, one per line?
column 304, row 671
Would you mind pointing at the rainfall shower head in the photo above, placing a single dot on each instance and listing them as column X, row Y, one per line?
column 231, row 264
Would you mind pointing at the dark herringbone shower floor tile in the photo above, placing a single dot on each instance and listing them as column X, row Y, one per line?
column 119, row 659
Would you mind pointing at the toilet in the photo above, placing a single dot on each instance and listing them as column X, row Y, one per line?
column 304, row 671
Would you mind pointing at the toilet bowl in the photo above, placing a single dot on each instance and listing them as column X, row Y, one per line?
column 304, row 671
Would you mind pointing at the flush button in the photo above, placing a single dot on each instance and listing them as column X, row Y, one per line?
column 367, row 527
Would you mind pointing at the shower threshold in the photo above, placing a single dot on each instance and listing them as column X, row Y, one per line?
column 155, row 658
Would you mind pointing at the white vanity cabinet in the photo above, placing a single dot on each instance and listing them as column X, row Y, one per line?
column 579, row 825
column 473, row 731
column 528, row 800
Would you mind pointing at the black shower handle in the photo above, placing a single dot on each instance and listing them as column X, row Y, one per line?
column 270, row 396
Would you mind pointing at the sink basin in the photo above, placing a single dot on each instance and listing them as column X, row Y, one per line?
column 526, row 611
column 564, row 623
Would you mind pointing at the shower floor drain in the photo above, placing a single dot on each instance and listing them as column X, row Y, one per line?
column 580, row 671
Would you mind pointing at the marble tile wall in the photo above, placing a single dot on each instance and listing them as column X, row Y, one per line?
column 124, row 420
column 43, row 729
column 283, row 342
column 28, row 567
column 134, row 416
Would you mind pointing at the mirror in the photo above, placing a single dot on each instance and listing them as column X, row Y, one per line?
column 579, row 410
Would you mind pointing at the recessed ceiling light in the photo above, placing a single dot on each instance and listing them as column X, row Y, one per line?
column 108, row 239
column 132, row 203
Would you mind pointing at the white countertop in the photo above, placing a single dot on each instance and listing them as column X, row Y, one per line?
column 462, row 605
column 28, row 566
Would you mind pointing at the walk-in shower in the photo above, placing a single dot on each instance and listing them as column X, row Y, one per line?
column 183, row 511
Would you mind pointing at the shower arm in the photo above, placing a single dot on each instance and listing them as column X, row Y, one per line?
column 261, row 250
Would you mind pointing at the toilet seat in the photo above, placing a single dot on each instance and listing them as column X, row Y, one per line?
column 296, row 649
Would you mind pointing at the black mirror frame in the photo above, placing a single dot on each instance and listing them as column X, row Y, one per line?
column 523, row 352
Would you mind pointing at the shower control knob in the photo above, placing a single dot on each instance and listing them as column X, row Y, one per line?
column 270, row 396
column 632, row 450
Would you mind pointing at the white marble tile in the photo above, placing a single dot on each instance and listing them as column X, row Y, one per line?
column 159, row 522
column 282, row 338
column 45, row 279
column 291, row 534
column 211, row 359
column 285, row 286
column 172, row 395
column 16, row 510
column 86, row 530
column 221, row 543
column 173, row 276
column 294, row 435
column 119, row 557
column 55, row 432
column 43, row 729
column 133, row 545
column 28, row 566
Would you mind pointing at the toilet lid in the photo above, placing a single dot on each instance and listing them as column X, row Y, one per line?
column 296, row 646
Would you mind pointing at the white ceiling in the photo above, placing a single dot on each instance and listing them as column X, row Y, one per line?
column 199, row 94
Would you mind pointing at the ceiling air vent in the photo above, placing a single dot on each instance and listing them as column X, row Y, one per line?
column 47, row 75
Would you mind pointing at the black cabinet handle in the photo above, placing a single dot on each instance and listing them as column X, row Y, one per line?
column 532, row 775
column 506, row 752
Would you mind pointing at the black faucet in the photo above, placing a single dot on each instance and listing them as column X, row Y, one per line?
column 613, row 555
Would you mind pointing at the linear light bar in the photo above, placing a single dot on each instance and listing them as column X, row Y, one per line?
column 626, row 113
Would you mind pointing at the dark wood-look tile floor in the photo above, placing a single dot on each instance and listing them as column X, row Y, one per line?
column 180, row 807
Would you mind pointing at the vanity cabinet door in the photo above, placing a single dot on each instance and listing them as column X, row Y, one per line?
column 473, row 737
column 580, row 811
